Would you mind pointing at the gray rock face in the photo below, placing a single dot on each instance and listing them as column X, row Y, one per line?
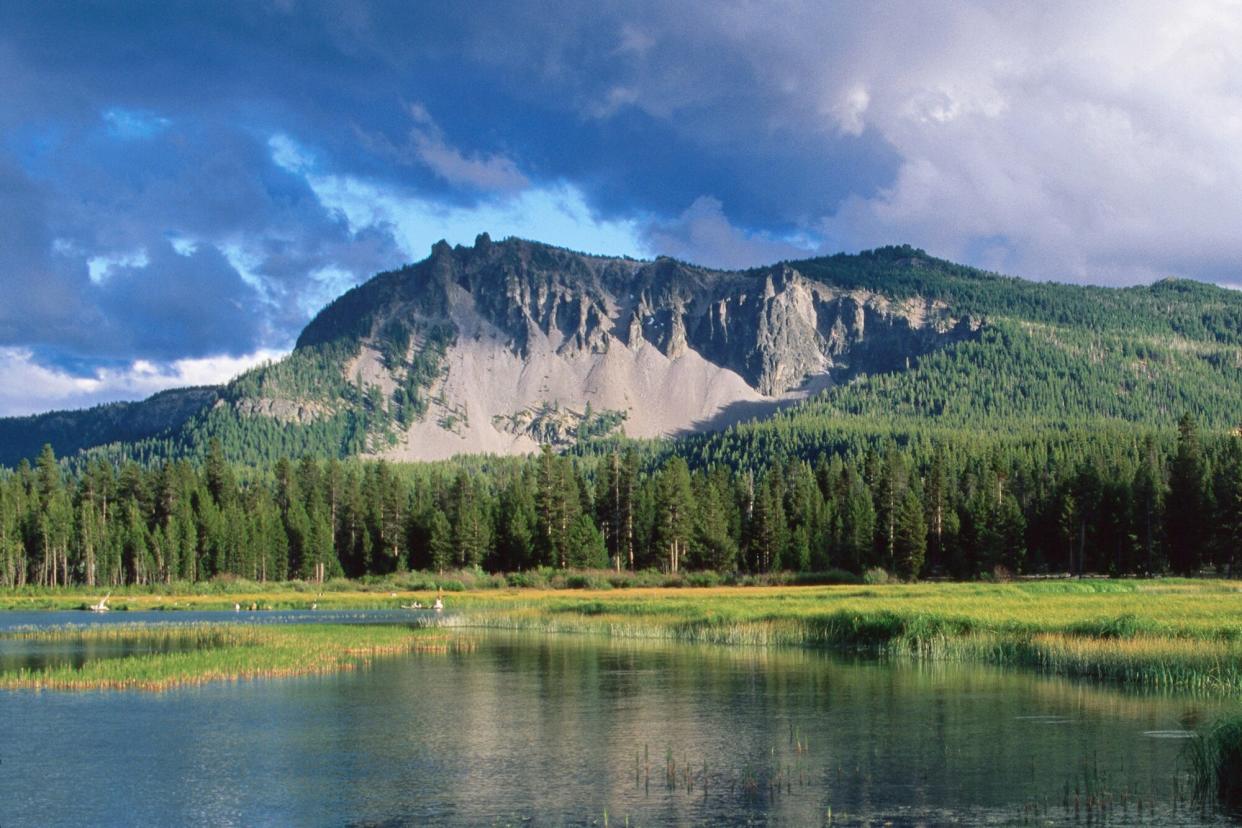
column 774, row 327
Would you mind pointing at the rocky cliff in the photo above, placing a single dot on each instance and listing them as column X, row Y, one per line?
column 503, row 345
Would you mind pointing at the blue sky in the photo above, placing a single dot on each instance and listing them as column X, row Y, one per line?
column 183, row 184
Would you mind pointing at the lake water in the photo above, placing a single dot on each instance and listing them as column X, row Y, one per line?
column 563, row 730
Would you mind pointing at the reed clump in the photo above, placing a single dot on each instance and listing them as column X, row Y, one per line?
column 1216, row 760
column 202, row 653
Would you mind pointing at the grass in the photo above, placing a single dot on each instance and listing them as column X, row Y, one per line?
column 1216, row 756
column 1165, row 634
column 1169, row 633
column 203, row 653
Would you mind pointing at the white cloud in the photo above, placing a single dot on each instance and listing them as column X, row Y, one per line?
column 133, row 125
column 1096, row 141
column 184, row 246
column 703, row 235
column 27, row 387
column 289, row 154
column 850, row 109
column 426, row 145
column 100, row 267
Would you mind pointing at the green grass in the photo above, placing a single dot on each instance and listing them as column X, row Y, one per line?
column 1169, row 633
column 1166, row 634
column 203, row 653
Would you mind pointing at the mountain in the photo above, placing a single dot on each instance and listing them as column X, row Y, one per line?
column 71, row 432
column 502, row 346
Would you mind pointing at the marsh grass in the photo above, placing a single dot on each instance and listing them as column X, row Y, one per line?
column 1174, row 634
column 203, row 653
column 1168, row 634
column 1216, row 759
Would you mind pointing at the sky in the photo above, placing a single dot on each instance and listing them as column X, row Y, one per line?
column 183, row 185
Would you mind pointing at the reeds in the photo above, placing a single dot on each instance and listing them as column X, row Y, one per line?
column 203, row 653
column 1185, row 634
column 1216, row 760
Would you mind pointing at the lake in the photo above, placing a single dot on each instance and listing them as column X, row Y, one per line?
column 565, row 730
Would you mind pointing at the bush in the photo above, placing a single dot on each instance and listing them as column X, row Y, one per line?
column 875, row 576
column 706, row 578
column 531, row 579
column 582, row 580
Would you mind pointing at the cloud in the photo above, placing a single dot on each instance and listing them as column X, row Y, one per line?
column 1086, row 142
column 99, row 268
column 190, row 244
column 426, row 145
column 131, row 125
column 174, row 306
column 1096, row 145
column 491, row 172
column 27, row 386
column 703, row 235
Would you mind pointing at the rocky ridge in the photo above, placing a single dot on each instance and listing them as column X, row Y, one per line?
column 538, row 336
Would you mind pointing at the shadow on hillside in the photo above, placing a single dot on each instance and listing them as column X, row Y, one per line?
column 743, row 410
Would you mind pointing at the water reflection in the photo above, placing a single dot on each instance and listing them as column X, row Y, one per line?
column 561, row 730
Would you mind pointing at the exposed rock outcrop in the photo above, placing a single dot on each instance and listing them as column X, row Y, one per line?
column 540, row 332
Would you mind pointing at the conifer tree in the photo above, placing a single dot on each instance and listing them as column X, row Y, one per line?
column 676, row 519
column 1185, row 525
column 910, row 536
column 441, row 542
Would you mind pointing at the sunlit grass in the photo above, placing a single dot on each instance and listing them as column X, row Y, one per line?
column 1170, row 633
column 203, row 653
column 1183, row 634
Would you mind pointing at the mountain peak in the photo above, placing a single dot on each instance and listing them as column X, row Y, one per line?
column 503, row 345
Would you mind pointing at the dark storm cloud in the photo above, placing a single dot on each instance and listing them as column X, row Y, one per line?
column 189, row 306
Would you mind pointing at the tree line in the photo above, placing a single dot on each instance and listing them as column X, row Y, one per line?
column 1112, row 502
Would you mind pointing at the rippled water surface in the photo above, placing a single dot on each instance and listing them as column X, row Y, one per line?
column 563, row 730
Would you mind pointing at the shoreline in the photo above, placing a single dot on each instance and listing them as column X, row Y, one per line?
column 1177, row 635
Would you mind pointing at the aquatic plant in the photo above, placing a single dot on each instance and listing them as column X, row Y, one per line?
column 1216, row 759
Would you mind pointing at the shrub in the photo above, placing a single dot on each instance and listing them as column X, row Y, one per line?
column 531, row 579
column 580, row 580
column 707, row 578
column 875, row 576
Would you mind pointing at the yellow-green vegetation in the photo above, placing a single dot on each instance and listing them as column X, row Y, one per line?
column 1168, row 634
column 202, row 653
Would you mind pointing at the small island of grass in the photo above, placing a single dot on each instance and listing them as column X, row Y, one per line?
column 164, row 657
